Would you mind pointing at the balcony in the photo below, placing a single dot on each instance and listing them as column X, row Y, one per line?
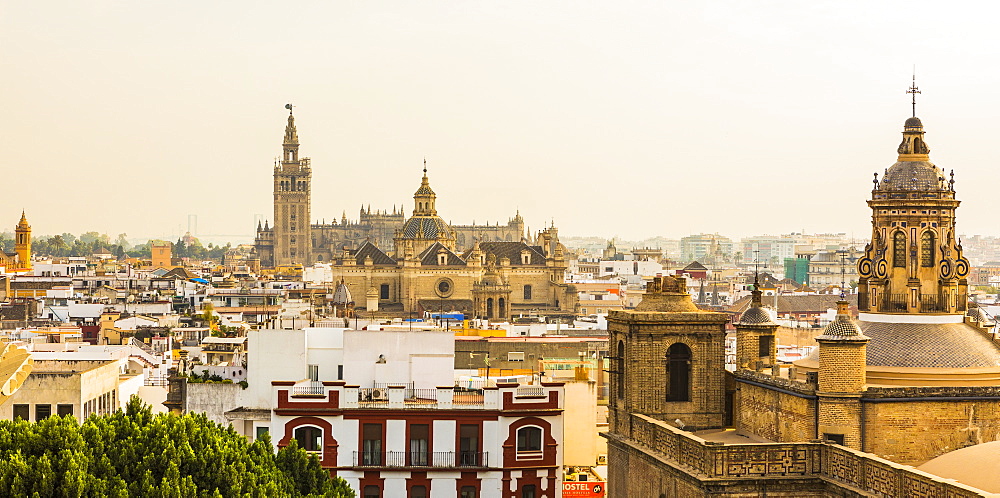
column 308, row 389
column 436, row 459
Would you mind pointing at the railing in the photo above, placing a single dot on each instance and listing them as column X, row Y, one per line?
column 378, row 397
column 312, row 388
column 931, row 302
column 436, row 459
column 530, row 392
column 156, row 381
column 893, row 303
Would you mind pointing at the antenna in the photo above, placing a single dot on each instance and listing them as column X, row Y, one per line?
column 914, row 90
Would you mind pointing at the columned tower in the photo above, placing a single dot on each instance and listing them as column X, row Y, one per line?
column 292, row 187
column 914, row 264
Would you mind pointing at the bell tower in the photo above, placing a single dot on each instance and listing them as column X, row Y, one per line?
column 22, row 243
column 292, row 198
column 914, row 264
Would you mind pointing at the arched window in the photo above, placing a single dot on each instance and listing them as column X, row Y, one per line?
column 527, row 292
column 899, row 249
column 679, row 372
column 489, row 307
column 621, row 369
column 529, row 439
column 502, row 308
column 309, row 438
column 927, row 249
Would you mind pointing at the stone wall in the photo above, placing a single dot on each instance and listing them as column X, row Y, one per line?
column 773, row 414
column 913, row 432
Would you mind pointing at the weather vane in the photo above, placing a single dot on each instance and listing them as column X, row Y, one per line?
column 289, row 107
column 914, row 91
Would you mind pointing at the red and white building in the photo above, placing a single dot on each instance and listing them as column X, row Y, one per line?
column 396, row 425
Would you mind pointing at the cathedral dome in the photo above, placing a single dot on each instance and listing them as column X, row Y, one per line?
column 913, row 175
column 426, row 227
column 913, row 123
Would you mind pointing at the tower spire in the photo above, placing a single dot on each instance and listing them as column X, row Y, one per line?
column 913, row 90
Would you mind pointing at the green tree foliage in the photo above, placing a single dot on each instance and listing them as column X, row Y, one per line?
column 134, row 453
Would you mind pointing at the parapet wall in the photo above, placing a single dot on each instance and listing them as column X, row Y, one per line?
column 694, row 465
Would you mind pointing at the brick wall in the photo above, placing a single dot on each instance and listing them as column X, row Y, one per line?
column 775, row 415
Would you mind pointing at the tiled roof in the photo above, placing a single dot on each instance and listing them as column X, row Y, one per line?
column 927, row 345
column 378, row 257
column 429, row 256
column 512, row 251
column 425, row 227
column 796, row 304
column 695, row 266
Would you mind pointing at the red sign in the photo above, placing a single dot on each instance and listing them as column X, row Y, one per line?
column 584, row 489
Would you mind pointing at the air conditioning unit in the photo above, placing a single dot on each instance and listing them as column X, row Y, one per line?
column 380, row 394
column 602, row 459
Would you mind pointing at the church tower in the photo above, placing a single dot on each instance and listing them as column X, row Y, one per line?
column 292, row 187
column 22, row 243
column 914, row 264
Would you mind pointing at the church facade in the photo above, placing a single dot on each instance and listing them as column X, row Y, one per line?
column 292, row 237
column 917, row 374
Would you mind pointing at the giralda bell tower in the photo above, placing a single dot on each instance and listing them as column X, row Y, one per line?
column 292, row 187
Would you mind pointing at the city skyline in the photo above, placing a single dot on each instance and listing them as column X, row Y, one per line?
column 639, row 121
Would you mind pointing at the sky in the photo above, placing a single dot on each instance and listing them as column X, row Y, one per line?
column 626, row 119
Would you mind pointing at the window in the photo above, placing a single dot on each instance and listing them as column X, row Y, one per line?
column 529, row 439
column 22, row 412
column 309, row 438
column 469, row 492
column 528, row 491
column 515, row 356
column 340, row 372
column 372, row 492
column 63, row 410
column 899, row 249
column 371, row 444
column 418, row 492
column 678, row 372
column 468, row 445
column 927, row 249
column 383, row 291
column 444, row 287
column 834, row 438
column 764, row 345
column 42, row 412
column 419, row 436
column 261, row 432
column 527, row 292
column 313, row 372
column 621, row 369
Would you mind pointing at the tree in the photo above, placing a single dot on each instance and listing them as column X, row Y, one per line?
column 136, row 453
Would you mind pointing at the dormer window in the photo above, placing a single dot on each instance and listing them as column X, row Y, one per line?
column 442, row 258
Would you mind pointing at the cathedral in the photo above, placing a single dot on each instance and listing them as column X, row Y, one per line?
column 20, row 259
column 390, row 264
column 916, row 376
column 294, row 238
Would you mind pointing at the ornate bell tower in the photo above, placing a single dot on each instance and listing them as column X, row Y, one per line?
column 292, row 197
column 914, row 264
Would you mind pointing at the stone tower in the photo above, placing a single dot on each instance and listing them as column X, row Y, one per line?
column 842, row 358
column 22, row 243
column 756, row 346
column 669, row 360
column 913, row 265
column 292, row 187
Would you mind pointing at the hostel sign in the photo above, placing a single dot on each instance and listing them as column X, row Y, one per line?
column 584, row 489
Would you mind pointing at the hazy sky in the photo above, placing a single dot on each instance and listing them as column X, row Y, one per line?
column 613, row 118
